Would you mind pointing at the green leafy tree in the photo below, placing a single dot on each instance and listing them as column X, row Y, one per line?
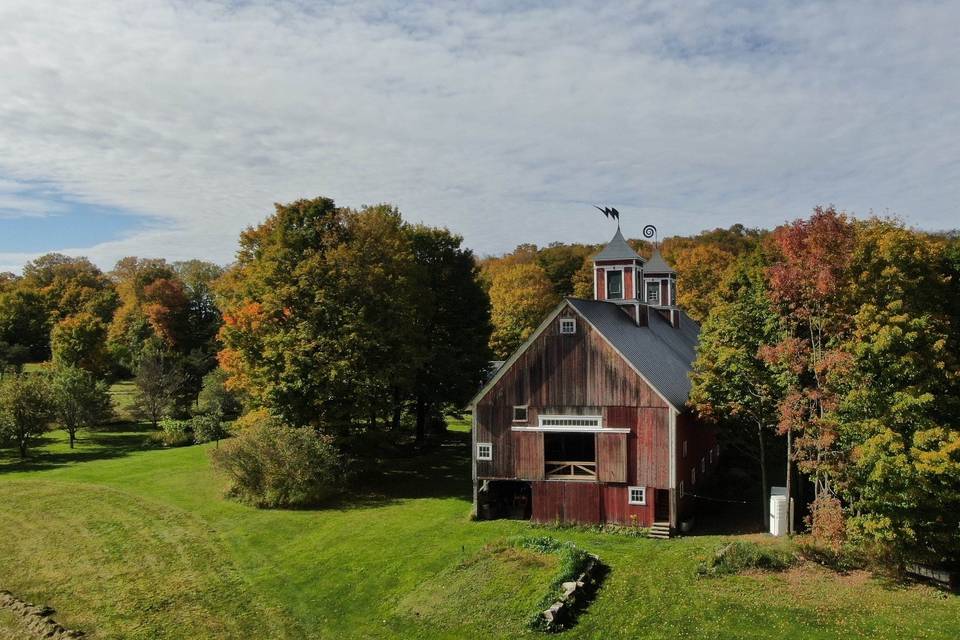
column 560, row 262
column 159, row 386
column 80, row 401
column 24, row 320
column 70, row 286
column 453, row 325
column 733, row 383
column 81, row 341
column 26, row 410
column 215, row 397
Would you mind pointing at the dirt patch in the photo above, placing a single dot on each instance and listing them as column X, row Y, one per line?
column 37, row 620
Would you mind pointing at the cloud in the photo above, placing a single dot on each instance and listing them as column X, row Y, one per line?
column 501, row 122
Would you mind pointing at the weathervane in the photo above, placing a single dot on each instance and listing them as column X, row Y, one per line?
column 650, row 231
column 609, row 212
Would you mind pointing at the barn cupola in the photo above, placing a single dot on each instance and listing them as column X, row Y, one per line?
column 660, row 287
column 617, row 271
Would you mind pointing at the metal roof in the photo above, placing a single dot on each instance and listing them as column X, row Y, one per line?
column 663, row 355
column 656, row 264
column 617, row 249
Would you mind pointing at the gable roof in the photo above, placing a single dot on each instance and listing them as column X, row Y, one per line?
column 661, row 355
column 617, row 249
column 656, row 264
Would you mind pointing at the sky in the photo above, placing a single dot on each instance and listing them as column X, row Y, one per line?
column 163, row 128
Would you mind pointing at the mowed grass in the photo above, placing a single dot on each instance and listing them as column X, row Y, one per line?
column 127, row 541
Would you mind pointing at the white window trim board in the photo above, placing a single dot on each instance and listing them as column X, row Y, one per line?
column 489, row 446
column 630, row 499
column 526, row 413
column 568, row 322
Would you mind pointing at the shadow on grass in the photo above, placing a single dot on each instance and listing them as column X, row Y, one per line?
column 105, row 442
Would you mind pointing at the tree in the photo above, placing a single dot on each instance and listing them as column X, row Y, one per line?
column 560, row 262
column 25, row 409
column 80, row 341
column 80, row 401
column 453, row 321
column 215, row 397
column 70, row 286
column 520, row 296
column 24, row 321
column 733, row 382
column 159, row 382
column 699, row 271
column 583, row 280
column 132, row 330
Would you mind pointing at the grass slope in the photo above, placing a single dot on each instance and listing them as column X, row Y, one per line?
column 128, row 542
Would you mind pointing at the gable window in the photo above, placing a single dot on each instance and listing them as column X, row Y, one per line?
column 484, row 451
column 653, row 291
column 637, row 495
column 568, row 325
column 520, row 414
column 614, row 284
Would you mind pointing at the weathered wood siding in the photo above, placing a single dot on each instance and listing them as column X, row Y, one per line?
column 612, row 457
column 700, row 438
column 528, row 455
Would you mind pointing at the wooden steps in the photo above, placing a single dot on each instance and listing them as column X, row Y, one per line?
column 659, row 530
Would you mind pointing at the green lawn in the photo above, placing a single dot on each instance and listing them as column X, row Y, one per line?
column 127, row 541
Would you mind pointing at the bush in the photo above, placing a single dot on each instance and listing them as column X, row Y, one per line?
column 175, row 433
column 738, row 556
column 273, row 465
column 208, row 427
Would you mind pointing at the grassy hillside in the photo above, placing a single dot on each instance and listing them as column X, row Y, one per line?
column 130, row 542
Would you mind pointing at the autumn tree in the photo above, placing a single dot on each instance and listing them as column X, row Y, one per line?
column 70, row 286
column 80, row 400
column 733, row 383
column 520, row 297
column 159, row 383
column 700, row 270
column 26, row 410
column 80, row 341
column 560, row 263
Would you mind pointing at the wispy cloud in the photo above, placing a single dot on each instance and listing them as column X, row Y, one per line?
column 502, row 122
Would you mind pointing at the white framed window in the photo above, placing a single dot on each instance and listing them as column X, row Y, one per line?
column 583, row 422
column 684, row 448
column 484, row 451
column 703, row 465
column 520, row 413
column 568, row 325
column 653, row 291
column 693, row 476
column 637, row 495
column 614, row 284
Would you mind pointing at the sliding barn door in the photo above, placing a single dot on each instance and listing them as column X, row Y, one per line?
column 612, row 457
column 528, row 455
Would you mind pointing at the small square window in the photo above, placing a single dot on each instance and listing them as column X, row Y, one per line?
column 520, row 414
column 684, row 448
column 484, row 451
column 568, row 325
column 637, row 495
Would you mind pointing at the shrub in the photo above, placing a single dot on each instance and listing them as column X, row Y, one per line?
column 273, row 465
column 208, row 427
column 215, row 397
column 827, row 522
column 175, row 433
column 738, row 556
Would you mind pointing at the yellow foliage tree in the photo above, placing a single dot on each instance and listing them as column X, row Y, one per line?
column 520, row 296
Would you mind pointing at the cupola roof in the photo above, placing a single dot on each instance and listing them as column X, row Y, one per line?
column 617, row 249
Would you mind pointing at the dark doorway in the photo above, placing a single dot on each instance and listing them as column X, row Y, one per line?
column 661, row 505
column 569, row 455
column 504, row 499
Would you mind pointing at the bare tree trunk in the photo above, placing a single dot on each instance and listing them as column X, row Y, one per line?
column 765, row 500
column 789, row 480
column 73, row 436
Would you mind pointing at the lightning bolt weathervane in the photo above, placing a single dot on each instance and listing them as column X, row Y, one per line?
column 609, row 212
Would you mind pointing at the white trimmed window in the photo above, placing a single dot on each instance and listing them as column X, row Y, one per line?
column 684, row 448
column 568, row 325
column 693, row 476
column 637, row 495
column 571, row 421
column 653, row 291
column 484, row 451
column 520, row 413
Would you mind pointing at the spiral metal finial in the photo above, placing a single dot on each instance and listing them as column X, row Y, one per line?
column 650, row 231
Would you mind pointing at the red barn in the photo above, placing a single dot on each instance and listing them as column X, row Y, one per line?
column 588, row 421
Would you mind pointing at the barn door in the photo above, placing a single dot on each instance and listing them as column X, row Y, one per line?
column 528, row 455
column 612, row 457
